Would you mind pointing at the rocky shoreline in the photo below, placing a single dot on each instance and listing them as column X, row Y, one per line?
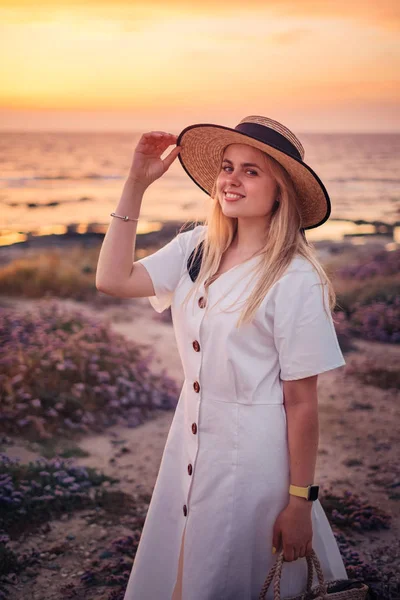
column 152, row 240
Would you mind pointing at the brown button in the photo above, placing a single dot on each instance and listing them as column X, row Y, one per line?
column 196, row 386
column 190, row 469
column 194, row 428
column 202, row 302
column 196, row 346
column 185, row 510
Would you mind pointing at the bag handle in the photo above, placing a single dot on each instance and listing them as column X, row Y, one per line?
column 275, row 574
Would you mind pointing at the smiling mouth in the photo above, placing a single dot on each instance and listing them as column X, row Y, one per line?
column 231, row 197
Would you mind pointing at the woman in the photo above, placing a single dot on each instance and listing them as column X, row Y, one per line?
column 251, row 309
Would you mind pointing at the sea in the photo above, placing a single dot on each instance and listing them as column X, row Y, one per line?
column 50, row 182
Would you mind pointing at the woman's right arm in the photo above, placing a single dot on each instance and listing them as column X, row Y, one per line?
column 117, row 274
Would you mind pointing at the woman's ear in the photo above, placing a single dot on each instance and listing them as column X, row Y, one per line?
column 275, row 206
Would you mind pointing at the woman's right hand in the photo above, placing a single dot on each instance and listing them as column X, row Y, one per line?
column 147, row 166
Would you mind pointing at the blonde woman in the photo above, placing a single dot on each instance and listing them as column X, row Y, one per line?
column 251, row 308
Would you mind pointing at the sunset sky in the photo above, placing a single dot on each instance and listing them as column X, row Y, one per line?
column 317, row 66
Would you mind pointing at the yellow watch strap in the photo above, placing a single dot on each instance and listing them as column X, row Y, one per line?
column 297, row 490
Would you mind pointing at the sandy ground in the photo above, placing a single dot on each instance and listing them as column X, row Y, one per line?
column 358, row 451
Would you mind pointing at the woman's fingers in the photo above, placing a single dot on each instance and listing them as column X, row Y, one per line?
column 292, row 552
column 288, row 553
column 147, row 164
column 159, row 135
column 168, row 160
column 156, row 142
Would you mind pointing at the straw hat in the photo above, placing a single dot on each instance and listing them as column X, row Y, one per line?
column 202, row 146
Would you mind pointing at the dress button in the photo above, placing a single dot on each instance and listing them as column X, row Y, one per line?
column 196, row 346
column 196, row 386
column 185, row 510
column 202, row 302
column 194, row 428
column 190, row 469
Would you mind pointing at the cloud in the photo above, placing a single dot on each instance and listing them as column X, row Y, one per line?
column 290, row 36
column 384, row 14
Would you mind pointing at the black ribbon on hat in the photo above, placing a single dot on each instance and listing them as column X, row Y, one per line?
column 269, row 136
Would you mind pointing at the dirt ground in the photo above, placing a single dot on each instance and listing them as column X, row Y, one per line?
column 358, row 451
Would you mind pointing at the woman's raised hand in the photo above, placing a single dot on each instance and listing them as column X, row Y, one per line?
column 147, row 166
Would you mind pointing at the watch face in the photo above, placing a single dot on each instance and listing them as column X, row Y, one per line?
column 313, row 493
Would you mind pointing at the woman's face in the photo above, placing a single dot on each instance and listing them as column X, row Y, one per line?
column 253, row 182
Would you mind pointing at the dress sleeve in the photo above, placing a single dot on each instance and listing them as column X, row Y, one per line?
column 165, row 267
column 304, row 334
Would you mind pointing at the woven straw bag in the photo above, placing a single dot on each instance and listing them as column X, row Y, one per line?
column 339, row 589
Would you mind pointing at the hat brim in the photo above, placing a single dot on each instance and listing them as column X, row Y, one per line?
column 202, row 146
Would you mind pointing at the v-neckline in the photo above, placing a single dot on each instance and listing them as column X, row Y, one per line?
column 232, row 268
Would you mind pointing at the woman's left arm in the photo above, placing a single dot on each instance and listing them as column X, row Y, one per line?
column 293, row 527
column 301, row 405
column 307, row 345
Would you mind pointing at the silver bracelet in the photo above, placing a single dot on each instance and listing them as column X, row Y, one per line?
column 125, row 218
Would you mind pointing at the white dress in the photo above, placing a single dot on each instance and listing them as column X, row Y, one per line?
column 224, row 474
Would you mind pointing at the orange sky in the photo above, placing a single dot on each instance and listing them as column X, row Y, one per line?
column 99, row 65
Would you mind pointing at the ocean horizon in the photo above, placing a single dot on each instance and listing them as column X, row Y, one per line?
column 50, row 181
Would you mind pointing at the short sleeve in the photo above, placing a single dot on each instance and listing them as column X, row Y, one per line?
column 165, row 267
column 304, row 333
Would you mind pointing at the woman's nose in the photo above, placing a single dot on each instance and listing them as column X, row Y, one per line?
column 232, row 178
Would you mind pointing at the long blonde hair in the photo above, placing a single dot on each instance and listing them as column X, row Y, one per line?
column 283, row 242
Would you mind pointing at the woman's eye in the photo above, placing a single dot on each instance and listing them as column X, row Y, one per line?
column 249, row 170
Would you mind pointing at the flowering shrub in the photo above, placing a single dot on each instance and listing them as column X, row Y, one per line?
column 349, row 511
column 380, row 264
column 368, row 297
column 34, row 493
column 361, row 293
column 12, row 563
column 343, row 331
column 377, row 321
column 61, row 370
column 40, row 490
